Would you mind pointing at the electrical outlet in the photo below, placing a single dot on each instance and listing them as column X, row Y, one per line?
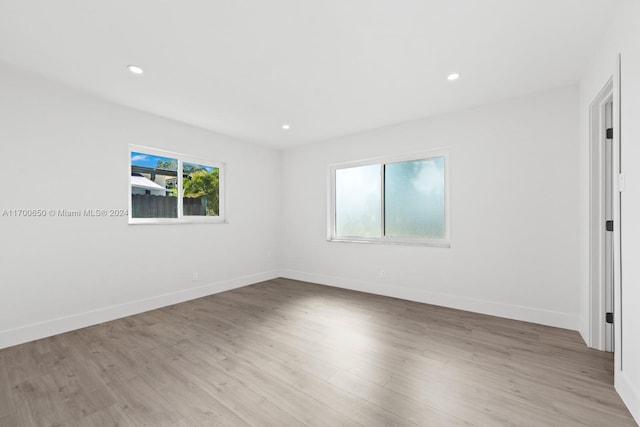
column 195, row 276
column 383, row 274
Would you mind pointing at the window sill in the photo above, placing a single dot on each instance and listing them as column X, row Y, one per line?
column 175, row 221
column 401, row 242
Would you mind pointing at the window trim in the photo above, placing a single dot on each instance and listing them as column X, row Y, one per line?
column 182, row 219
column 389, row 240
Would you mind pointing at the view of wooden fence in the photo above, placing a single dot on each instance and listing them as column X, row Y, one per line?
column 150, row 206
column 194, row 206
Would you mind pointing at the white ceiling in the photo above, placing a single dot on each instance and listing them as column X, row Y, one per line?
column 326, row 67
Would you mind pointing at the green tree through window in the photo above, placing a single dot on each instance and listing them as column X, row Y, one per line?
column 201, row 181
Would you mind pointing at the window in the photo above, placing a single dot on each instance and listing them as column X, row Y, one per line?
column 167, row 187
column 401, row 200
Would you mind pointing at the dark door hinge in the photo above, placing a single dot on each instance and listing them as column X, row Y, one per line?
column 609, row 225
column 609, row 317
column 610, row 133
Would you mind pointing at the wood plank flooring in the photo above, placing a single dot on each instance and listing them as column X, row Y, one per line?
column 287, row 353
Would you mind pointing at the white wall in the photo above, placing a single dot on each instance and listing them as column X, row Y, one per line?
column 624, row 39
column 62, row 150
column 514, row 205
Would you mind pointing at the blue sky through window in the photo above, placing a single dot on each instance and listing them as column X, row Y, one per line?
column 194, row 166
column 150, row 161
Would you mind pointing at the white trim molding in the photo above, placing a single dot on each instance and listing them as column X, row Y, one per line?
column 11, row 337
column 508, row 311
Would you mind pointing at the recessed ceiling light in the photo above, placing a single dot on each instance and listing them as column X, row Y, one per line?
column 286, row 127
column 135, row 69
column 453, row 76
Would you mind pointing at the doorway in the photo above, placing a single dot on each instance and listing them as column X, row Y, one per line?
column 601, row 220
column 608, row 214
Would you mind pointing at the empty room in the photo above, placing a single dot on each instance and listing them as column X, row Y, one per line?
column 320, row 213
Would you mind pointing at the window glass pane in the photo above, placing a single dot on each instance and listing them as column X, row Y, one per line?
column 415, row 198
column 200, row 190
column 153, row 186
column 358, row 201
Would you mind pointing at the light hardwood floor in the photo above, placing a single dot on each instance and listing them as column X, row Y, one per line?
column 286, row 353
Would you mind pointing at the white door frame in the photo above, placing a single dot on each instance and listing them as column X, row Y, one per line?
column 618, row 188
column 597, row 232
column 597, row 218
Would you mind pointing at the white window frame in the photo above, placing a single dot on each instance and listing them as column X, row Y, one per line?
column 181, row 219
column 382, row 161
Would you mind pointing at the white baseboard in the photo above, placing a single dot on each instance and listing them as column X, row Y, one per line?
column 584, row 333
column 629, row 393
column 516, row 312
column 60, row 325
